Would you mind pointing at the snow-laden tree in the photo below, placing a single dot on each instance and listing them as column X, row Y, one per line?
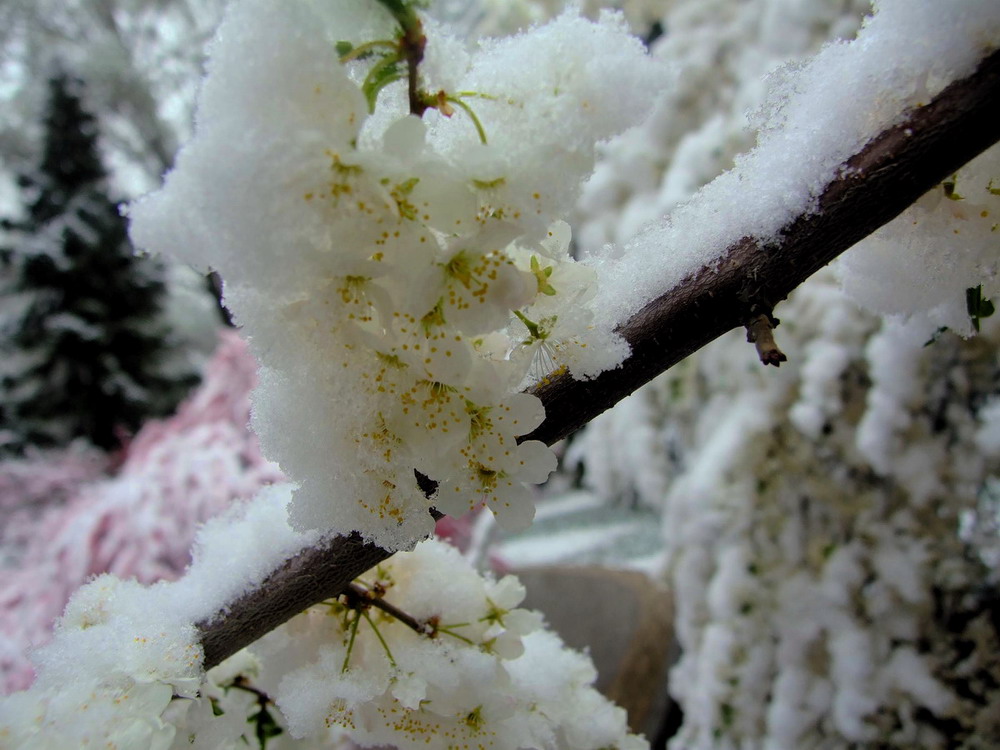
column 140, row 61
column 140, row 58
column 392, row 241
column 85, row 348
column 818, row 522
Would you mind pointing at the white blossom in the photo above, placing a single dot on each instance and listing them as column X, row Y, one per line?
column 367, row 254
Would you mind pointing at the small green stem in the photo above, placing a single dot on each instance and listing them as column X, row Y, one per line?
column 476, row 95
column 533, row 329
column 447, row 631
column 379, row 636
column 471, row 114
column 350, row 643
column 364, row 49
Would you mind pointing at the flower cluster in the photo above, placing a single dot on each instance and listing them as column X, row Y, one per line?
column 423, row 652
column 469, row 669
column 399, row 277
column 109, row 675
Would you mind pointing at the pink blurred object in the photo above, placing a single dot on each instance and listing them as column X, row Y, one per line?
column 36, row 483
column 456, row 531
column 474, row 539
column 140, row 523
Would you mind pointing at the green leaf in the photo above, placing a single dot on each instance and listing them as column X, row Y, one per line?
column 384, row 72
column 216, row 708
column 266, row 727
column 978, row 306
column 949, row 190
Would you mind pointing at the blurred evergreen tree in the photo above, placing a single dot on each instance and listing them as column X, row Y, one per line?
column 85, row 348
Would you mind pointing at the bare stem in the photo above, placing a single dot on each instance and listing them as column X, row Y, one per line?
column 360, row 593
column 760, row 333
column 412, row 45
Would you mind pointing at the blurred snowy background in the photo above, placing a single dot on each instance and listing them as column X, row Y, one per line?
column 827, row 530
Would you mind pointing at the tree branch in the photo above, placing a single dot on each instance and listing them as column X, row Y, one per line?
column 875, row 185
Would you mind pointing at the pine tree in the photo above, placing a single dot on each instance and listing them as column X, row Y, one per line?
column 84, row 345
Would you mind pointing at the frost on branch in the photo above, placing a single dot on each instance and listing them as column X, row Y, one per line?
column 400, row 278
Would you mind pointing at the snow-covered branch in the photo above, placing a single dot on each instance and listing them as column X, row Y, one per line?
column 874, row 186
column 871, row 188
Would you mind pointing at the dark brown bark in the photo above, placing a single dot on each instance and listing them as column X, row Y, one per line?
column 875, row 185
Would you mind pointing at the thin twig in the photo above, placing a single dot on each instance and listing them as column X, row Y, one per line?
column 360, row 593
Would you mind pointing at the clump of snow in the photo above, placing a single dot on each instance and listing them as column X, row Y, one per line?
column 720, row 51
column 471, row 666
column 119, row 657
column 122, row 651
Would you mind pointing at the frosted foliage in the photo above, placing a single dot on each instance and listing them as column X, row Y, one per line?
column 398, row 279
column 811, row 518
column 815, row 116
column 632, row 443
column 940, row 246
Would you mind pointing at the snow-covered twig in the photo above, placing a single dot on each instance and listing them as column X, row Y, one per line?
column 873, row 187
